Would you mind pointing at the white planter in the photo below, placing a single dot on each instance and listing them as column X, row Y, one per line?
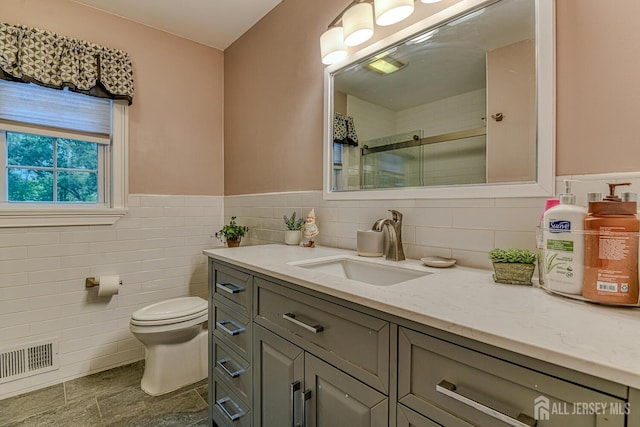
column 293, row 237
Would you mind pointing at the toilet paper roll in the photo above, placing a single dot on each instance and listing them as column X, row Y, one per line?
column 108, row 285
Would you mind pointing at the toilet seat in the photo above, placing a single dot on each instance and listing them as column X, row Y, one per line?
column 171, row 311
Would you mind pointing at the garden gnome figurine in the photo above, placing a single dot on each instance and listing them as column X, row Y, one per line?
column 310, row 229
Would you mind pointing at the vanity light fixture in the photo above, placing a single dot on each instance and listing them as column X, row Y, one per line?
column 389, row 12
column 357, row 25
column 332, row 47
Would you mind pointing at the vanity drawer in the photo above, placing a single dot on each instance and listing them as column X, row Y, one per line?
column 436, row 375
column 232, row 287
column 232, row 329
column 354, row 342
column 233, row 370
column 228, row 409
column 409, row 418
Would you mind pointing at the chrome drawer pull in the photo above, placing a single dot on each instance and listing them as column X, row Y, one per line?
column 292, row 318
column 306, row 396
column 229, row 287
column 237, row 328
column 449, row 389
column 223, row 365
column 238, row 410
column 295, row 387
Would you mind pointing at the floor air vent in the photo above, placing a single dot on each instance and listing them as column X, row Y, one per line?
column 28, row 359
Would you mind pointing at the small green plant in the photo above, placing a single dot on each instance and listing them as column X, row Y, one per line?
column 292, row 224
column 232, row 231
column 522, row 256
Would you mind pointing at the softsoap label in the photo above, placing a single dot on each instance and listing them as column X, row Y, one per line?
column 560, row 226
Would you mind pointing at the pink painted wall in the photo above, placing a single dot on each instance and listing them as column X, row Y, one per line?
column 272, row 78
column 176, row 120
column 598, row 86
column 274, row 98
column 273, row 85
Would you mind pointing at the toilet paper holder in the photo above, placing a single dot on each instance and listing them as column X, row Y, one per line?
column 91, row 282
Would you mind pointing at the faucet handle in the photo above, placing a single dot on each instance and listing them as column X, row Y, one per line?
column 396, row 215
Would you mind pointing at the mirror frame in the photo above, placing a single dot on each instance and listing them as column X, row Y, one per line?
column 545, row 108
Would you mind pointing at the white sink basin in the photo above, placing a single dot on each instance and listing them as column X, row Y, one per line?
column 362, row 271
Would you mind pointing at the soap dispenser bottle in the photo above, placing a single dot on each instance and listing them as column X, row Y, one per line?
column 563, row 244
column 611, row 249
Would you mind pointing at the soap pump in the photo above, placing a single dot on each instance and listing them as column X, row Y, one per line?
column 611, row 249
column 563, row 244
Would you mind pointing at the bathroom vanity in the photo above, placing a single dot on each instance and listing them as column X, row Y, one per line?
column 297, row 341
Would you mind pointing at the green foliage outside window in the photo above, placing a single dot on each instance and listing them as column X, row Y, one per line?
column 32, row 172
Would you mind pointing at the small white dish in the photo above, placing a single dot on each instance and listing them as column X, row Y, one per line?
column 438, row 262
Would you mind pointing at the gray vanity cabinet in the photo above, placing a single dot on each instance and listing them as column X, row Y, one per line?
column 295, row 388
column 283, row 355
column 278, row 379
column 317, row 363
column 230, row 375
column 450, row 383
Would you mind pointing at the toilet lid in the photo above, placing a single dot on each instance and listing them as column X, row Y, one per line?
column 175, row 308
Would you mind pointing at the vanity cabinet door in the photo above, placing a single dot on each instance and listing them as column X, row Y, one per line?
column 333, row 398
column 354, row 342
column 440, row 379
column 278, row 379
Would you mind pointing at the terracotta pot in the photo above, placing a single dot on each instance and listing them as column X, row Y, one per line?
column 233, row 243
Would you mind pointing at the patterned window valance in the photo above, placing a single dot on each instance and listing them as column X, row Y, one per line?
column 48, row 59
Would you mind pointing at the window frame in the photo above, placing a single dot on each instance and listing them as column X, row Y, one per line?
column 115, row 163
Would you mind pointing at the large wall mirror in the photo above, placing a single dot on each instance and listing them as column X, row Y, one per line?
column 460, row 104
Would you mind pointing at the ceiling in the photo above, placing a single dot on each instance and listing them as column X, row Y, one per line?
column 215, row 23
column 450, row 63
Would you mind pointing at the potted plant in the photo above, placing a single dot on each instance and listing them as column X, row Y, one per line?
column 232, row 233
column 293, row 233
column 513, row 266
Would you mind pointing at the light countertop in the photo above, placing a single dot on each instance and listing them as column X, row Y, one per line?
column 598, row 340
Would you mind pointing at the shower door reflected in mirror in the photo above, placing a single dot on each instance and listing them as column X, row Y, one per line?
column 454, row 105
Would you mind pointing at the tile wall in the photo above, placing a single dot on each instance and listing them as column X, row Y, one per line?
column 157, row 251
column 465, row 229
column 462, row 229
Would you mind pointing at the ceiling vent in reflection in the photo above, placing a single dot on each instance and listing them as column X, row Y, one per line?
column 385, row 64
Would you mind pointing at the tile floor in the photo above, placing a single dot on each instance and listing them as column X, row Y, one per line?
column 109, row 398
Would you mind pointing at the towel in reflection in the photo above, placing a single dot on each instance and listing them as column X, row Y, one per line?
column 344, row 131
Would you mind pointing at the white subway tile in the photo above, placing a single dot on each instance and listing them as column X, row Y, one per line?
column 29, row 239
column 10, row 253
column 49, row 276
column 480, row 240
column 45, row 251
column 12, row 279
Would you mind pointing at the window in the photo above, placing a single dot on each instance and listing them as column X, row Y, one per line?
column 63, row 157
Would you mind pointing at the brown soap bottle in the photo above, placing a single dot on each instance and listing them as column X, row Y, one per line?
column 611, row 249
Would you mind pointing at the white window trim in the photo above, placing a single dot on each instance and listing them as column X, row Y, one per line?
column 46, row 216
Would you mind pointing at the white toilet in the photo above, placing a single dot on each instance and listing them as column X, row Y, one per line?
column 175, row 341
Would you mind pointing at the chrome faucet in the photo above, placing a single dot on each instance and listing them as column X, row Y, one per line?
column 394, row 250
